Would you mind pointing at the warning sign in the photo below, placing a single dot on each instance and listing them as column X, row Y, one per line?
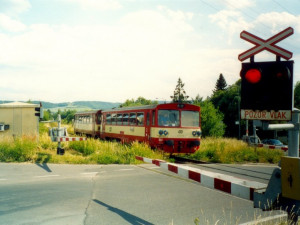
column 248, row 114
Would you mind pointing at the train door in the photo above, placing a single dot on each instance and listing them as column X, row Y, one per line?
column 147, row 126
column 102, row 128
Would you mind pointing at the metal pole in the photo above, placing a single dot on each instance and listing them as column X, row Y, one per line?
column 58, row 135
column 293, row 141
column 247, row 129
column 254, row 134
column 239, row 114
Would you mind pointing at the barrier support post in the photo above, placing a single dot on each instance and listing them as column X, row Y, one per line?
column 293, row 140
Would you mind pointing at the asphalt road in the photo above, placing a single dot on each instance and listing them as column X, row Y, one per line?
column 113, row 194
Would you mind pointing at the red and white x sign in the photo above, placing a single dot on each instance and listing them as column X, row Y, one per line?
column 269, row 44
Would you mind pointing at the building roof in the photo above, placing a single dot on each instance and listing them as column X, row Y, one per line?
column 18, row 105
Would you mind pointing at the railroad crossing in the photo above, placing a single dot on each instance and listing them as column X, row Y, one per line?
column 266, row 90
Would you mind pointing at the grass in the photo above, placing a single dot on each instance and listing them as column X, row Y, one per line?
column 93, row 151
column 229, row 150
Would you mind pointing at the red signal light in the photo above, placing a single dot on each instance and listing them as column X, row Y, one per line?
column 279, row 75
column 253, row 76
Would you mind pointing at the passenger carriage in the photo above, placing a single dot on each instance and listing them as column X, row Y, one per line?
column 88, row 123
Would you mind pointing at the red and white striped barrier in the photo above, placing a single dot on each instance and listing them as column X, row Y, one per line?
column 229, row 184
column 63, row 139
column 272, row 147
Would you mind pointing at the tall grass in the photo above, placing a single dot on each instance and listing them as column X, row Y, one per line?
column 91, row 151
column 27, row 149
column 103, row 152
column 18, row 150
column 229, row 150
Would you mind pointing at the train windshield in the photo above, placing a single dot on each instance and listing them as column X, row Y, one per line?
column 168, row 118
column 189, row 119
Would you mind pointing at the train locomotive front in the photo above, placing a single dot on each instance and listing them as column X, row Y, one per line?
column 176, row 128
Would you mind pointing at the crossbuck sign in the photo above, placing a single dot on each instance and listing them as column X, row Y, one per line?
column 269, row 44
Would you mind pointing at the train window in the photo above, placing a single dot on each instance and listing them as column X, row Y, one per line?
column 126, row 119
column 148, row 119
column 168, row 118
column 189, row 118
column 140, row 119
column 153, row 117
column 113, row 118
column 108, row 119
column 132, row 119
column 119, row 119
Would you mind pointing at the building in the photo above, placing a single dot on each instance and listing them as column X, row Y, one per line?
column 18, row 119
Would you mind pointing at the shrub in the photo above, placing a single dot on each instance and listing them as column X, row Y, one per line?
column 229, row 150
column 19, row 150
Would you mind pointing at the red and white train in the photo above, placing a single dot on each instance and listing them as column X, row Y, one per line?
column 172, row 127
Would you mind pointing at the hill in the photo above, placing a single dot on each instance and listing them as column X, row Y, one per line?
column 77, row 105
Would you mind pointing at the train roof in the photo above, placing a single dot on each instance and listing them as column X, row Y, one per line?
column 131, row 108
column 88, row 112
column 165, row 105
column 145, row 107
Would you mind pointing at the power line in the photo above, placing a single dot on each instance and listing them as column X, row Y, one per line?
column 284, row 8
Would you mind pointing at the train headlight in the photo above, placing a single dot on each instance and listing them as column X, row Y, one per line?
column 160, row 132
column 199, row 133
column 194, row 133
column 166, row 132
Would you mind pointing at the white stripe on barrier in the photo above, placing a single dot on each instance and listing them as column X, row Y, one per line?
column 183, row 172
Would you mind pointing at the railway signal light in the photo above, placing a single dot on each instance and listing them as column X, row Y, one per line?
column 39, row 111
column 267, row 85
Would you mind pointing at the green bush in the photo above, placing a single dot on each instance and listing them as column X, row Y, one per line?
column 228, row 150
column 87, row 147
column 19, row 150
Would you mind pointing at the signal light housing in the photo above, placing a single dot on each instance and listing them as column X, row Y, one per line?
column 267, row 85
column 39, row 111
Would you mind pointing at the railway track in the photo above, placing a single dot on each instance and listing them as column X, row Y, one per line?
column 254, row 172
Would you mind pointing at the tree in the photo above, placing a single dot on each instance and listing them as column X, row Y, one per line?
column 47, row 115
column 211, row 119
column 138, row 102
column 297, row 95
column 198, row 100
column 179, row 92
column 67, row 115
column 227, row 102
column 221, row 84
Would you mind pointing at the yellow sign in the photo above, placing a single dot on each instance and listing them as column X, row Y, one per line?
column 290, row 179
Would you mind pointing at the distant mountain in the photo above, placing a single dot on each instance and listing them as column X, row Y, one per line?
column 77, row 105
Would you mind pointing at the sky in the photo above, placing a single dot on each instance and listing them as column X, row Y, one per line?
column 114, row 50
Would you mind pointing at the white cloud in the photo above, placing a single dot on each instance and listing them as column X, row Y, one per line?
column 239, row 4
column 101, row 5
column 232, row 22
column 142, row 51
column 11, row 25
column 277, row 21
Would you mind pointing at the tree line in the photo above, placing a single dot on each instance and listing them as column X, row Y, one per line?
column 219, row 112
